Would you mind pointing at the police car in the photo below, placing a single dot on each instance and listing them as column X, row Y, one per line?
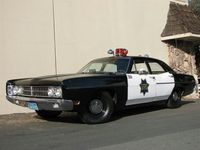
column 101, row 87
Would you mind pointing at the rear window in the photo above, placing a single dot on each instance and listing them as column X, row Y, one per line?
column 156, row 68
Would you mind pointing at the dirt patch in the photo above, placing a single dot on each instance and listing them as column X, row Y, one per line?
column 19, row 118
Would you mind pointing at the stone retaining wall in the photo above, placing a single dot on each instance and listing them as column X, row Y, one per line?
column 182, row 59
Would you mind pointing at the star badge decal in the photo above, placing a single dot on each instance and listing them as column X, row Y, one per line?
column 144, row 86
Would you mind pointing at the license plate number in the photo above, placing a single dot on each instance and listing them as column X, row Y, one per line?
column 32, row 105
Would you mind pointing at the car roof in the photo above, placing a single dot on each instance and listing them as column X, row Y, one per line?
column 132, row 58
column 129, row 57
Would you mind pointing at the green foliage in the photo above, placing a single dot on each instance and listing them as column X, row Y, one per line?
column 195, row 4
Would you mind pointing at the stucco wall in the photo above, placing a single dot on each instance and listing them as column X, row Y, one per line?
column 84, row 30
column 26, row 47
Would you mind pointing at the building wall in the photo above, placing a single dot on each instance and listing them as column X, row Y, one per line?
column 84, row 30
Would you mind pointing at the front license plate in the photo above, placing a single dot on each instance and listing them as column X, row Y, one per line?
column 32, row 105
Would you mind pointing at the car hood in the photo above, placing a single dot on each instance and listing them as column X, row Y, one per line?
column 52, row 80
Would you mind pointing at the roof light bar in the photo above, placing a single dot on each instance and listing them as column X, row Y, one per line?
column 118, row 52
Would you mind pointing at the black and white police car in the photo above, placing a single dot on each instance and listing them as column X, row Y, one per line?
column 101, row 87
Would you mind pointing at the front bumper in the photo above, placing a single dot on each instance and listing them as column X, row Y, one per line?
column 43, row 103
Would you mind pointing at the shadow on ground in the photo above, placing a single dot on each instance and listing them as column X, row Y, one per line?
column 72, row 117
column 144, row 108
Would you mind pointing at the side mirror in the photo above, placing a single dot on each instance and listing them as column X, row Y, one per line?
column 92, row 70
column 142, row 71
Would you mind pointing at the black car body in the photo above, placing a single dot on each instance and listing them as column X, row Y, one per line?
column 102, row 86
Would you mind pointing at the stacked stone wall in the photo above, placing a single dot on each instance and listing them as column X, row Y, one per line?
column 182, row 59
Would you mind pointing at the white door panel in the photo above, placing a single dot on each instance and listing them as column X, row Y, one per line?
column 164, row 85
column 149, row 88
column 141, row 89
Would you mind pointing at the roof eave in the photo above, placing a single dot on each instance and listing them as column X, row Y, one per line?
column 186, row 37
column 179, row 2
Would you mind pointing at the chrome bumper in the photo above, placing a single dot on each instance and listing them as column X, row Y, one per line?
column 43, row 103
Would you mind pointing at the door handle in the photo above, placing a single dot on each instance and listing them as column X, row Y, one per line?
column 152, row 77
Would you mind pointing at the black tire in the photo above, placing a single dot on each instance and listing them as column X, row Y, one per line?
column 99, row 112
column 174, row 100
column 48, row 114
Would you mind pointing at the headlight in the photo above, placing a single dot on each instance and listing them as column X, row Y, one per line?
column 55, row 92
column 17, row 90
column 14, row 90
column 10, row 90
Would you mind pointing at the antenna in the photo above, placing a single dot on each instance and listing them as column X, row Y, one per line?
column 54, row 37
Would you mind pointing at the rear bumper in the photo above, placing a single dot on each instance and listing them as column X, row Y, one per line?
column 43, row 103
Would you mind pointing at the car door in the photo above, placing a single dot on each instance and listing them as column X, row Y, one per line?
column 164, row 80
column 141, row 84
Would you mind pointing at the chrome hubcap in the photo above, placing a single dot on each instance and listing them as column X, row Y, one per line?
column 96, row 106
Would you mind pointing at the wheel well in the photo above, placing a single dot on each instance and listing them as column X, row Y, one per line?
column 179, row 89
column 112, row 93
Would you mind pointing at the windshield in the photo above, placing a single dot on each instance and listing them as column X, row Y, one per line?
column 106, row 65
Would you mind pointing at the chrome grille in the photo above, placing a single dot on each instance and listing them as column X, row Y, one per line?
column 35, row 91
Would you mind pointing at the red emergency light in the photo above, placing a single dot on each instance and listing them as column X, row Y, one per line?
column 121, row 52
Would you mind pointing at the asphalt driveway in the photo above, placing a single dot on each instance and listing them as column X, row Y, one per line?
column 143, row 128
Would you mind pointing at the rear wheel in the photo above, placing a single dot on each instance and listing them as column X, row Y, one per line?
column 174, row 100
column 96, row 110
column 48, row 114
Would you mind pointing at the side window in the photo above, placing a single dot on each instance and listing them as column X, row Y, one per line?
column 156, row 68
column 133, row 70
column 139, row 67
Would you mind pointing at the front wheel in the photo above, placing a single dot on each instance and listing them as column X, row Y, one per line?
column 96, row 110
column 174, row 100
column 48, row 114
